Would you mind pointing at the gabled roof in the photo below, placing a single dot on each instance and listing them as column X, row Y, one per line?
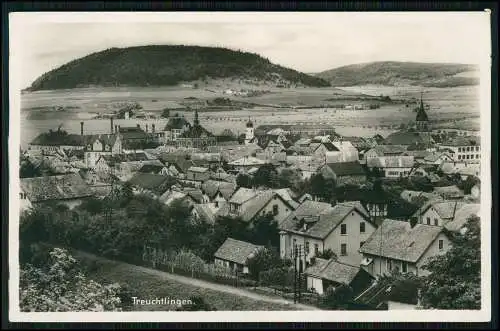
column 322, row 222
column 346, row 168
column 449, row 191
column 408, row 138
column 205, row 212
column 462, row 216
column 433, row 157
column 384, row 150
column 236, row 251
column 398, row 240
column 243, row 194
column 463, row 141
column 211, row 187
column 60, row 187
column 332, row 270
column 152, row 182
column 58, row 138
column 305, row 209
column 247, row 161
column 151, row 168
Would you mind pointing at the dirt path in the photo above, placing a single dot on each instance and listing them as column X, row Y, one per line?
column 204, row 284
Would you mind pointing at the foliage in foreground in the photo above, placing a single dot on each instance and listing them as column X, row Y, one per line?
column 61, row 286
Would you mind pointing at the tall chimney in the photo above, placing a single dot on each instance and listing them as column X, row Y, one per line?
column 111, row 124
column 153, row 128
column 81, row 128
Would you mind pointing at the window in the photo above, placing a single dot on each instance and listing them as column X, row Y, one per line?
column 316, row 249
column 216, row 204
column 343, row 249
column 275, row 210
column 361, row 244
column 467, row 156
column 343, row 229
column 460, row 157
column 389, row 264
column 428, row 221
column 441, row 244
column 436, row 222
column 307, row 247
column 477, row 156
column 477, row 148
column 362, row 227
column 404, row 266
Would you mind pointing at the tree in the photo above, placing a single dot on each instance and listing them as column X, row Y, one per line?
column 27, row 169
column 290, row 178
column 265, row 231
column 455, row 279
column 337, row 297
column 267, row 176
column 243, row 180
column 165, row 113
column 61, row 286
column 264, row 259
column 127, row 192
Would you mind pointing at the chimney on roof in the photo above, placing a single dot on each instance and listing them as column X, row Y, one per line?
column 81, row 128
column 111, row 123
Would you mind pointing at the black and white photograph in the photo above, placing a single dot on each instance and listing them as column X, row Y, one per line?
column 272, row 166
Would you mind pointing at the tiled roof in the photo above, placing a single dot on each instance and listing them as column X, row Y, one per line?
column 386, row 289
column 242, row 195
column 307, row 208
column 409, row 195
column 332, row 270
column 149, row 181
column 151, row 168
column 398, row 240
column 463, row 141
column 347, row 168
column 330, row 147
column 407, row 138
column 236, row 251
column 211, row 187
column 195, row 194
column 56, row 138
column 59, row 187
column 324, row 220
column 449, row 191
column 383, row 150
column 247, row 161
column 205, row 212
column 462, row 215
column 256, row 204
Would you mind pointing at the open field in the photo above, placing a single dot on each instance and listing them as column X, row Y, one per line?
column 446, row 105
column 147, row 283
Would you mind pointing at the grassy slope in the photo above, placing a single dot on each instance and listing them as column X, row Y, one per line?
column 164, row 65
column 404, row 73
column 147, row 286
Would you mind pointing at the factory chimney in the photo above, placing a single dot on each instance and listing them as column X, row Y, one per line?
column 81, row 128
column 111, row 120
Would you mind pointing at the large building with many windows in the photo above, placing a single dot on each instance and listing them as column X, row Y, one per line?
column 464, row 149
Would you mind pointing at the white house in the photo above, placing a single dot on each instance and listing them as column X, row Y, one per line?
column 235, row 254
column 403, row 245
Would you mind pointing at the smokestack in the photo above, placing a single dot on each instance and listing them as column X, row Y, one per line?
column 153, row 128
column 81, row 128
column 111, row 125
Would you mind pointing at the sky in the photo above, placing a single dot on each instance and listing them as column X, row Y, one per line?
column 308, row 42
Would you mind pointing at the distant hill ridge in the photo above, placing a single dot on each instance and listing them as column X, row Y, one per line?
column 394, row 73
column 164, row 65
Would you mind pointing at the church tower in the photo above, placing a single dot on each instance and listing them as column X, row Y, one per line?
column 422, row 121
column 249, row 134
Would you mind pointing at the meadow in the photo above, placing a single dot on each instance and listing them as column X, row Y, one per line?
column 280, row 106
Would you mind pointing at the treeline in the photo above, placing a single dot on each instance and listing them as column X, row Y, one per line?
column 161, row 65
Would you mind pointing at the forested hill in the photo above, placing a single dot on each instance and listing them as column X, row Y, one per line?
column 403, row 73
column 164, row 65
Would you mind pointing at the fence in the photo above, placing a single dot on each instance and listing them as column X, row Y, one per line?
column 190, row 265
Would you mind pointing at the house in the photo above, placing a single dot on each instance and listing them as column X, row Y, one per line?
column 98, row 145
column 440, row 213
column 449, row 192
column 135, row 137
column 150, row 183
column 204, row 212
column 385, row 150
column 250, row 203
column 155, row 169
column 344, row 172
column 57, row 140
column 437, row 158
column 463, row 149
column 174, row 128
column 106, row 162
column 470, row 170
column 422, row 140
column 390, row 294
column 70, row 190
column 345, row 152
column 462, row 215
column 322, row 274
column 235, row 254
column 247, row 162
column 392, row 166
column 197, row 174
column 415, row 196
column 317, row 226
column 218, row 192
column 402, row 245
